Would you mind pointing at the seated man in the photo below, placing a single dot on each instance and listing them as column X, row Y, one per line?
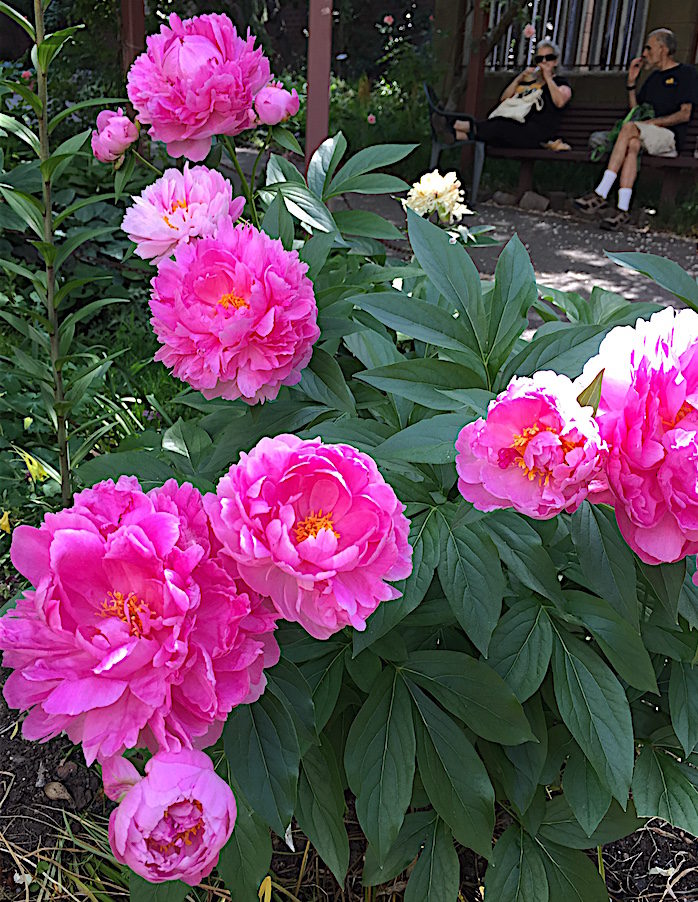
column 672, row 90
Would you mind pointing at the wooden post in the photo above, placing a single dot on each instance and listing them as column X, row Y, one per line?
column 132, row 31
column 476, row 66
column 317, row 120
column 473, row 101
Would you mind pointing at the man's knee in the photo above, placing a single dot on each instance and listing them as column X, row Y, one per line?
column 634, row 146
column 629, row 131
column 626, row 134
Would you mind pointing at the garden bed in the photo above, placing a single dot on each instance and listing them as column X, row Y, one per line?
column 657, row 863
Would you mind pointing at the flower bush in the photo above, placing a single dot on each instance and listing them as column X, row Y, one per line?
column 444, row 567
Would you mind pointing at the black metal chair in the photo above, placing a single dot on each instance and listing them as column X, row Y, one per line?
column 438, row 143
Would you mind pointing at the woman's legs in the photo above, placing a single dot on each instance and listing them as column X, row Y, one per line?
column 500, row 132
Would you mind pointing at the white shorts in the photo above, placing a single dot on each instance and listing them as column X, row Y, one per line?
column 657, row 141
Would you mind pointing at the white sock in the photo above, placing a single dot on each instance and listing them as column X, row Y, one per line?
column 606, row 183
column 624, row 195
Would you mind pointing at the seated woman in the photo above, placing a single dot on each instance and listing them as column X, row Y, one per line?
column 536, row 96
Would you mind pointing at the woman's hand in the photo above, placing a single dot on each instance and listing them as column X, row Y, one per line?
column 547, row 70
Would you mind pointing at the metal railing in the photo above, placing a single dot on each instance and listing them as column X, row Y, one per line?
column 595, row 35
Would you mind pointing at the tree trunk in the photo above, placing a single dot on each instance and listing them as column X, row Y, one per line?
column 486, row 43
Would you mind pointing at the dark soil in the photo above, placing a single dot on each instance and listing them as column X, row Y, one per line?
column 38, row 781
column 657, row 864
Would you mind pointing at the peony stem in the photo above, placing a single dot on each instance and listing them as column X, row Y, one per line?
column 261, row 153
column 146, row 162
column 59, row 406
column 229, row 144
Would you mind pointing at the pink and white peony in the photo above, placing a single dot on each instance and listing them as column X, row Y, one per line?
column 178, row 207
column 235, row 315
column 538, row 451
column 137, row 632
column 314, row 526
column 648, row 415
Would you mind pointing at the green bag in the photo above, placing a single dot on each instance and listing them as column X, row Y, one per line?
column 601, row 143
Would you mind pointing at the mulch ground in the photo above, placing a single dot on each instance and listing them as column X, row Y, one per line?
column 38, row 782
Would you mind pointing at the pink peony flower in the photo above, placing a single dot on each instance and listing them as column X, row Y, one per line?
column 138, row 632
column 529, row 31
column 275, row 104
column 317, row 527
column 235, row 314
column 177, row 207
column 388, row 20
column 197, row 79
column 648, row 414
column 538, row 451
column 172, row 823
column 371, row 119
column 115, row 134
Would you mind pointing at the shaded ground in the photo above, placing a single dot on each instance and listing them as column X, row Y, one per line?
column 567, row 251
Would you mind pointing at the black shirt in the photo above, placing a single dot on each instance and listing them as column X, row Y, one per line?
column 546, row 120
column 667, row 90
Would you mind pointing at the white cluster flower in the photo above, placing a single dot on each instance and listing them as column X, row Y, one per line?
column 436, row 193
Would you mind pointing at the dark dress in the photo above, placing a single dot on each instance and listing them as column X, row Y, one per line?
column 540, row 125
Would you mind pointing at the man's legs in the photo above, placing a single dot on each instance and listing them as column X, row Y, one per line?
column 628, row 173
column 596, row 200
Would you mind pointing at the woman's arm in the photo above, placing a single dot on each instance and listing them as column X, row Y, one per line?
column 510, row 89
column 560, row 94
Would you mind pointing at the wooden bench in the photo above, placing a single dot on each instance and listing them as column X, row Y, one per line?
column 576, row 124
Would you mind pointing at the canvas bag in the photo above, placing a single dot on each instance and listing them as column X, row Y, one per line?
column 519, row 106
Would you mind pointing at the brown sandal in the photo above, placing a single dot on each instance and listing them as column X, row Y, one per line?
column 615, row 220
column 590, row 203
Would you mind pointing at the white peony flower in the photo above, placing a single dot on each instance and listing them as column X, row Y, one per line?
column 438, row 193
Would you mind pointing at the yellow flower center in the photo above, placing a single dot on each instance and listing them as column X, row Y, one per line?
column 177, row 205
column 127, row 608
column 232, row 300
column 312, row 524
column 517, row 450
column 682, row 412
column 182, row 836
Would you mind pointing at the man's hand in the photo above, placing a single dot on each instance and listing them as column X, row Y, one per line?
column 547, row 69
column 635, row 68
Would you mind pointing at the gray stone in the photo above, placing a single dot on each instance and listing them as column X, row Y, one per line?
column 558, row 200
column 533, row 202
column 504, row 198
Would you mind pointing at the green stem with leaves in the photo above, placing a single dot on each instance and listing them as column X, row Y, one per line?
column 49, row 253
column 229, row 144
